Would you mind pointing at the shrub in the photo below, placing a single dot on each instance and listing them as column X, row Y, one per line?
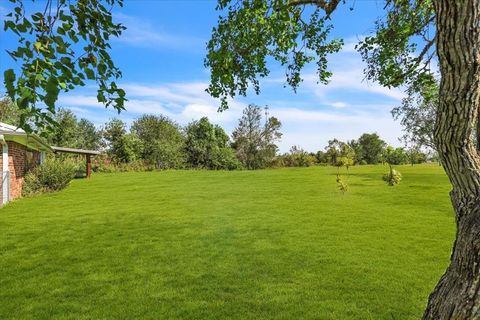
column 53, row 175
column 278, row 162
column 224, row 159
column 297, row 157
column 342, row 185
column 105, row 166
column 393, row 177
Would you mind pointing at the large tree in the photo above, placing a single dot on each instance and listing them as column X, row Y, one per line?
column 208, row 146
column 400, row 53
column 61, row 45
column 368, row 148
column 122, row 147
column 163, row 141
column 71, row 132
column 9, row 113
column 255, row 143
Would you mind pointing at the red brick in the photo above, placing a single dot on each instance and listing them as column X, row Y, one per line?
column 17, row 165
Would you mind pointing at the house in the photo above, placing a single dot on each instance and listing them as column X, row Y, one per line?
column 20, row 152
column 23, row 151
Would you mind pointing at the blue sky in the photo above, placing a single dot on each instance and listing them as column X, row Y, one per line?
column 161, row 55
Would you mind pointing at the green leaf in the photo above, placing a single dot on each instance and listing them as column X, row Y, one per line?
column 101, row 96
column 90, row 74
column 9, row 80
column 37, row 45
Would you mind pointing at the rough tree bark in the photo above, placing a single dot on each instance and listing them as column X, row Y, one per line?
column 457, row 294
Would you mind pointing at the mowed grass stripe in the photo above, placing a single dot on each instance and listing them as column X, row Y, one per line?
column 271, row 244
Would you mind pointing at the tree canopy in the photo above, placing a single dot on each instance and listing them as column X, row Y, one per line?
column 163, row 141
column 298, row 32
column 71, row 132
column 368, row 148
column 207, row 146
column 253, row 142
column 60, row 47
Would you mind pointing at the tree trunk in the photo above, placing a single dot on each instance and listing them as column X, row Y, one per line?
column 457, row 294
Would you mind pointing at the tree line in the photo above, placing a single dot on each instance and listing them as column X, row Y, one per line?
column 160, row 143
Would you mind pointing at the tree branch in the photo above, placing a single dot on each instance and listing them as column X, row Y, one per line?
column 327, row 6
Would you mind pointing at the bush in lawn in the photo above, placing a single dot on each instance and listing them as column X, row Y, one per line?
column 393, row 157
column 53, row 175
column 393, row 177
column 342, row 185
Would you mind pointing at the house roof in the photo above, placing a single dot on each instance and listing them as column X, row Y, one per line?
column 15, row 134
column 78, row 151
column 10, row 128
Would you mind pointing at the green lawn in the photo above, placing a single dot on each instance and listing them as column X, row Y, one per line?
column 272, row 244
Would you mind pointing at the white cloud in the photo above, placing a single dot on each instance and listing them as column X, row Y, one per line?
column 3, row 12
column 142, row 33
column 339, row 104
column 183, row 102
column 350, row 43
column 69, row 101
column 314, row 131
column 349, row 80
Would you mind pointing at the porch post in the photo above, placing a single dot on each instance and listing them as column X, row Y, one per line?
column 42, row 157
column 5, row 175
column 89, row 165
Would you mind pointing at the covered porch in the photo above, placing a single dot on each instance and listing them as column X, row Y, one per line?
column 87, row 153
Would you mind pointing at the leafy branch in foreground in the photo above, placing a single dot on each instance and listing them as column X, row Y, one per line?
column 251, row 32
column 60, row 48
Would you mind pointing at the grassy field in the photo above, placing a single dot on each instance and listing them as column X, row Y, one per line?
column 272, row 244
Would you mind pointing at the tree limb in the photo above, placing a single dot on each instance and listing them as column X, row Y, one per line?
column 327, row 6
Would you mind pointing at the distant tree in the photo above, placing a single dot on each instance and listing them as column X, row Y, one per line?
column 129, row 148
column 321, row 157
column 114, row 133
column 163, row 141
column 70, row 132
column 340, row 154
column 368, row 148
column 298, row 157
column 65, row 132
column 357, row 148
column 89, row 137
column 207, row 146
column 271, row 134
column 415, row 155
column 9, row 113
column 255, row 144
column 395, row 156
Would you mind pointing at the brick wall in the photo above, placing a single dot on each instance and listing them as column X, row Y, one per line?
column 17, row 164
